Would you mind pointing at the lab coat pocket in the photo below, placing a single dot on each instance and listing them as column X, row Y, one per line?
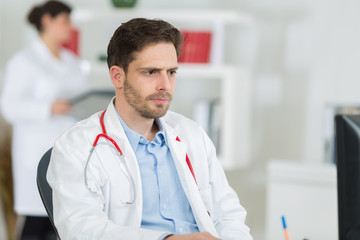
column 116, row 170
column 206, row 195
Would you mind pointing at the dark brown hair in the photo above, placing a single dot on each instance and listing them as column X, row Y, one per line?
column 50, row 7
column 134, row 35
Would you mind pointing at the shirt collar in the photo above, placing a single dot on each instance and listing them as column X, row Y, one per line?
column 136, row 138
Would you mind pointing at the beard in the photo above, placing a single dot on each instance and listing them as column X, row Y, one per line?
column 143, row 105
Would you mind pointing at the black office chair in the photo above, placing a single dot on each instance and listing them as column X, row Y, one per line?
column 44, row 187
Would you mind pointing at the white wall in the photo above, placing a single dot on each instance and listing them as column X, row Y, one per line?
column 335, row 66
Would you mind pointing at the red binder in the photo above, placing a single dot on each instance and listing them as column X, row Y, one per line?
column 196, row 47
column 73, row 43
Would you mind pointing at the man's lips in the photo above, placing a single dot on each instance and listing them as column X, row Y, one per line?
column 160, row 100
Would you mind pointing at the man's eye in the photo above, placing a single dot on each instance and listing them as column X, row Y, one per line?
column 172, row 72
column 150, row 72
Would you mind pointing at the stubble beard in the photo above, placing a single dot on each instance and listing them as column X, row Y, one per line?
column 142, row 105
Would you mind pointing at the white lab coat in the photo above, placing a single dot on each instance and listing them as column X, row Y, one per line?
column 34, row 79
column 97, row 212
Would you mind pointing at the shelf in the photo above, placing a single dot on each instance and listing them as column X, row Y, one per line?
column 226, row 16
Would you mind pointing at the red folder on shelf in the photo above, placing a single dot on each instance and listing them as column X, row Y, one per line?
column 73, row 43
column 196, row 47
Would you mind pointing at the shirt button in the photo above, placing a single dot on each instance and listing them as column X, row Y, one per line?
column 160, row 171
column 181, row 230
column 164, row 206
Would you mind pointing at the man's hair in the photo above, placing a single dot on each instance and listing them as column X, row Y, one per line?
column 132, row 36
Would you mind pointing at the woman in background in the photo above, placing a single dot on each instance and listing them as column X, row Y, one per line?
column 38, row 80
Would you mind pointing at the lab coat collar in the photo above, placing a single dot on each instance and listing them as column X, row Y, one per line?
column 42, row 49
column 45, row 52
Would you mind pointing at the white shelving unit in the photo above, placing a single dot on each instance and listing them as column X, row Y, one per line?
column 203, row 15
column 234, row 82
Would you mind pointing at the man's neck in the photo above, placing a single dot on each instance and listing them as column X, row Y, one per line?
column 144, row 126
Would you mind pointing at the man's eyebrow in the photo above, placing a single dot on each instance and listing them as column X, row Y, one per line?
column 157, row 68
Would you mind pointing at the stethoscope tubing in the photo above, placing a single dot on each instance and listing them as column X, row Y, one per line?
column 122, row 159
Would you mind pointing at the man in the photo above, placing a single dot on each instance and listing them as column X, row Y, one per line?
column 168, row 183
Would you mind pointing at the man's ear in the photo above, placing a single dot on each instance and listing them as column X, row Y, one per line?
column 117, row 75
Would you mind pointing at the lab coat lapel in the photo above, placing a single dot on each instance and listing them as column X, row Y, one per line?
column 115, row 131
column 46, row 54
column 178, row 151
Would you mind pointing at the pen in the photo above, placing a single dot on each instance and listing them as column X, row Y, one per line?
column 285, row 228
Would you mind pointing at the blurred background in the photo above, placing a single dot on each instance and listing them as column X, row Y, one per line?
column 273, row 75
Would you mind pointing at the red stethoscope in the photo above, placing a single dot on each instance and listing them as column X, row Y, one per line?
column 127, row 172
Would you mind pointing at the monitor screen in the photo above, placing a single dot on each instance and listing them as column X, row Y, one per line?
column 348, row 175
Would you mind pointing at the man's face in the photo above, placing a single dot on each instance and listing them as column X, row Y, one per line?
column 150, row 80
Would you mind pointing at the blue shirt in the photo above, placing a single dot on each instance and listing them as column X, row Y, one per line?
column 165, row 205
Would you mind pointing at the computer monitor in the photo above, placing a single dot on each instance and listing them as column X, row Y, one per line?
column 348, row 175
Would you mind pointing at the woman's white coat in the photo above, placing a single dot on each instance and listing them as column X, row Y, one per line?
column 34, row 79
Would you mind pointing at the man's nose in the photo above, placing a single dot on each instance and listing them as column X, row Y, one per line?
column 164, row 83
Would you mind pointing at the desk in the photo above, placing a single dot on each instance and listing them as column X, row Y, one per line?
column 307, row 195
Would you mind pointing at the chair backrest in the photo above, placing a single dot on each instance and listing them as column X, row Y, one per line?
column 44, row 187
